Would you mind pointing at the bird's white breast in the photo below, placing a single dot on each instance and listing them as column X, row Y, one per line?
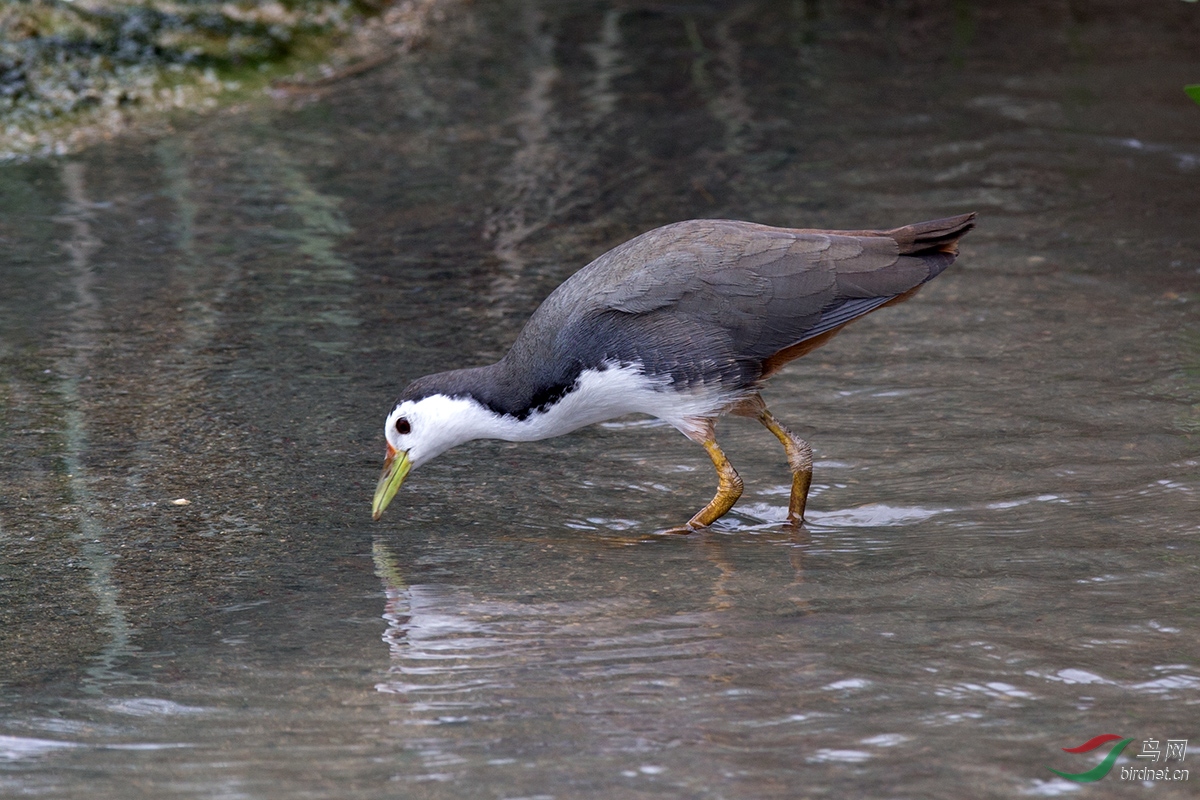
column 618, row 390
column 598, row 395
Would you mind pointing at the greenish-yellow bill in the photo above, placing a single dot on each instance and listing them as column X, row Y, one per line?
column 395, row 467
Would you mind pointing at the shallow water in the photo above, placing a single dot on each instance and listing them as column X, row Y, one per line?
column 1001, row 558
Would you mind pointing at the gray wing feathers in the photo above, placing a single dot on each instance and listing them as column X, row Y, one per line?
column 711, row 296
column 650, row 289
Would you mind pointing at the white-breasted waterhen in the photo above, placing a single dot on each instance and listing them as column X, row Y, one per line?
column 683, row 323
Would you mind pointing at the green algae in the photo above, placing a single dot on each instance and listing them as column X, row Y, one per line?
column 73, row 72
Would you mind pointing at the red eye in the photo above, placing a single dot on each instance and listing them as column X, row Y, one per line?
column 402, row 427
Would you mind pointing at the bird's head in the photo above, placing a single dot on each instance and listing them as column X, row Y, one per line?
column 418, row 430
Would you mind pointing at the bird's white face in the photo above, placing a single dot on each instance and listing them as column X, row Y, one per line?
column 430, row 426
column 418, row 430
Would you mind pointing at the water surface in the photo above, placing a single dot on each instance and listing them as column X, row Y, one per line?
column 201, row 333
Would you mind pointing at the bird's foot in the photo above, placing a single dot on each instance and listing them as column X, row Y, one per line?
column 683, row 530
column 792, row 523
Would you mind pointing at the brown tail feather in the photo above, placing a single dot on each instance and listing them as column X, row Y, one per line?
column 938, row 235
column 920, row 238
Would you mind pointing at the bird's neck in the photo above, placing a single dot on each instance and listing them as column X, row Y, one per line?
column 487, row 410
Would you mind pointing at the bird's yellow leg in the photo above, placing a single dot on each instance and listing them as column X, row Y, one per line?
column 800, row 459
column 799, row 453
column 729, row 489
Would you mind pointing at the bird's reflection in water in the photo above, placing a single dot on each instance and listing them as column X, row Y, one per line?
column 448, row 645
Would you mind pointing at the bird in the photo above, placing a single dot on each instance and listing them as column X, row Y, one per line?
column 684, row 323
